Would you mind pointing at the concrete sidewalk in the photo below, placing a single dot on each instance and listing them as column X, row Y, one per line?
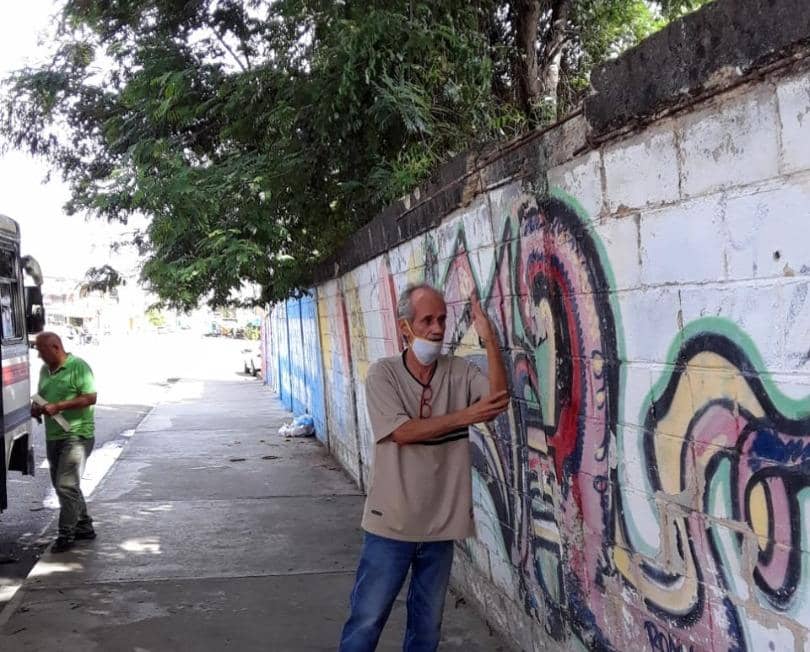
column 214, row 533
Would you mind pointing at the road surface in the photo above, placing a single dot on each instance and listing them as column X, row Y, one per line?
column 132, row 374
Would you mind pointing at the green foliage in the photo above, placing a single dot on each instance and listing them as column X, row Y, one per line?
column 104, row 279
column 258, row 136
column 252, row 332
column 156, row 317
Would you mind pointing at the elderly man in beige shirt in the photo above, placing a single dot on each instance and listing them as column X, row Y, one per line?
column 420, row 405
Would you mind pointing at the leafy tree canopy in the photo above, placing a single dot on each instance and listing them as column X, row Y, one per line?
column 104, row 280
column 258, row 135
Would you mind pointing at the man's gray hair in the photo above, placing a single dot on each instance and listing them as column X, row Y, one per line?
column 405, row 305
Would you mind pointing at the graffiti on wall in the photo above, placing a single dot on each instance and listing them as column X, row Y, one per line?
column 336, row 354
column 726, row 458
column 347, row 349
column 682, row 525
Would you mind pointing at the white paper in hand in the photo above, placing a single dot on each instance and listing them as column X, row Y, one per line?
column 63, row 423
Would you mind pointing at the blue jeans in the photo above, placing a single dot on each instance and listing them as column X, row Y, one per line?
column 383, row 567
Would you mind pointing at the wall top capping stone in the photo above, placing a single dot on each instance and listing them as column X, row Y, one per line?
column 709, row 49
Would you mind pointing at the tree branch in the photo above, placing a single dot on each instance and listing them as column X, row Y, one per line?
column 557, row 37
column 232, row 53
column 554, row 48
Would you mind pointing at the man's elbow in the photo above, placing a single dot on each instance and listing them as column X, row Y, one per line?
column 400, row 438
column 91, row 399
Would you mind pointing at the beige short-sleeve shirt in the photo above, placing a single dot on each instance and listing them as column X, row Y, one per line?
column 423, row 491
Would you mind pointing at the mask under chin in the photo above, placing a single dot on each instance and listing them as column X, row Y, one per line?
column 426, row 351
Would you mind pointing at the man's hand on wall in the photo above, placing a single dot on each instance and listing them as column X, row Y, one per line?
column 482, row 323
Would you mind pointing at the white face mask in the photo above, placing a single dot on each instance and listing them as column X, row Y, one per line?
column 426, row 351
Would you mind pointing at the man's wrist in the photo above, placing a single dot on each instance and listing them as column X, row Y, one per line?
column 462, row 418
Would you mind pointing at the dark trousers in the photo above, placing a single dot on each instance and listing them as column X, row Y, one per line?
column 67, row 458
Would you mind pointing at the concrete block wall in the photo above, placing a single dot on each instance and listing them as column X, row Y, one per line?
column 649, row 487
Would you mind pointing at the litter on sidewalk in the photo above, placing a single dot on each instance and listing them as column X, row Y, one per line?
column 303, row 426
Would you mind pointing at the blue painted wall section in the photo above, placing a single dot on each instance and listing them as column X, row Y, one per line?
column 282, row 329
column 298, row 385
column 297, row 359
column 313, row 368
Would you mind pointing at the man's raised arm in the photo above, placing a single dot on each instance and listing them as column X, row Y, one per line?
column 495, row 366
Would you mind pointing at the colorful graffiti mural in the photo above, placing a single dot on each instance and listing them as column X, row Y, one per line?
column 350, row 341
column 726, row 457
column 682, row 523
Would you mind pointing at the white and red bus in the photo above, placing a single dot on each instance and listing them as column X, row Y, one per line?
column 21, row 314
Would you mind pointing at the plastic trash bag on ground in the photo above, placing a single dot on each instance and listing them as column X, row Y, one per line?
column 303, row 426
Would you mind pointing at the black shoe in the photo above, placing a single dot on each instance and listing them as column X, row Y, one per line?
column 62, row 544
column 86, row 536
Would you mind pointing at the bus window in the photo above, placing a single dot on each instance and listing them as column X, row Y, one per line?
column 11, row 321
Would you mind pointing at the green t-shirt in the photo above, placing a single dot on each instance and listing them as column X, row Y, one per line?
column 74, row 378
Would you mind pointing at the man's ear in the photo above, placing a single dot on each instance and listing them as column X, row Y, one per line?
column 404, row 330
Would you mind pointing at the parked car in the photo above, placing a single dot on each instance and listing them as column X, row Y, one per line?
column 252, row 361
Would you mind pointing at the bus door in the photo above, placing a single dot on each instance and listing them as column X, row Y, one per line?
column 16, row 390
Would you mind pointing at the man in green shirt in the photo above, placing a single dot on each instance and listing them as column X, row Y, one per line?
column 68, row 388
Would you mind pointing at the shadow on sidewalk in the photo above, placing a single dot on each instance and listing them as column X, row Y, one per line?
column 214, row 533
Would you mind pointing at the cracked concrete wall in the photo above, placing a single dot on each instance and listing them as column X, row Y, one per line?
column 649, row 486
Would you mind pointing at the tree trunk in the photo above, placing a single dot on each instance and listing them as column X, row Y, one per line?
column 537, row 76
column 553, row 52
column 527, row 81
